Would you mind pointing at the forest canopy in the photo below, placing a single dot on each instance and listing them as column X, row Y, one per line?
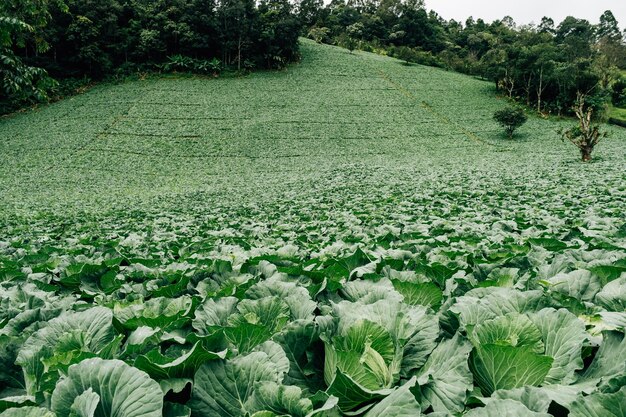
column 543, row 66
column 100, row 38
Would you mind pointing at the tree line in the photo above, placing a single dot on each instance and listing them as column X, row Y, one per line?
column 42, row 40
column 544, row 66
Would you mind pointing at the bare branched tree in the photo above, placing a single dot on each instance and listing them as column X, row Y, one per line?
column 587, row 134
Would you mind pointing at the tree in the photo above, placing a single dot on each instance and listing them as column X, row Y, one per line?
column 21, row 26
column 309, row 12
column 406, row 54
column 609, row 27
column 318, row 34
column 352, row 34
column 239, row 21
column 279, row 30
column 576, row 37
column 510, row 118
column 611, row 47
column 347, row 42
column 587, row 134
column 545, row 55
column 619, row 93
column 547, row 25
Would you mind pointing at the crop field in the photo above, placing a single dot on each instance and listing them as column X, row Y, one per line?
column 350, row 236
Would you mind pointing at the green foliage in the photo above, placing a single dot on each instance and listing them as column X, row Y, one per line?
column 180, row 63
column 164, row 254
column 319, row 34
column 510, row 118
column 412, row 55
column 542, row 67
column 347, row 41
column 619, row 93
column 20, row 83
column 99, row 39
column 106, row 387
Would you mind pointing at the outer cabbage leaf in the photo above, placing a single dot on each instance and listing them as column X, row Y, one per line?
column 270, row 312
column 324, row 405
column 276, row 355
column 279, row 399
column 563, row 335
column 508, row 408
column 539, row 398
column 609, row 360
column 613, row 295
column 214, row 313
column 165, row 313
column 124, row 391
column 483, row 304
column 600, row 405
column 69, row 337
column 400, row 403
column 246, row 323
column 27, row 412
column 295, row 296
column 581, row 284
column 16, row 401
column 224, row 387
column 445, row 379
column 298, row 339
column 351, row 394
column 368, row 292
column 419, row 293
column 604, row 321
column 85, row 404
column 534, row 398
column 159, row 366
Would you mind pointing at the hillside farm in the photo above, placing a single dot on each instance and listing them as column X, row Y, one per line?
column 347, row 236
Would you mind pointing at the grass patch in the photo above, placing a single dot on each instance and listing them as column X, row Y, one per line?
column 617, row 113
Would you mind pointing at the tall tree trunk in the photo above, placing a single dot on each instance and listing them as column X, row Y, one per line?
column 239, row 54
column 540, row 90
column 528, row 88
column 510, row 83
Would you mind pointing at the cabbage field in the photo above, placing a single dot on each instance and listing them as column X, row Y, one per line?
column 351, row 236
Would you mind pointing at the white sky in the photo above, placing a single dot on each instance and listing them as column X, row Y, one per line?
column 527, row 11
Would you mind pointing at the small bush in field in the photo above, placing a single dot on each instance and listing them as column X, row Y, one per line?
column 510, row 118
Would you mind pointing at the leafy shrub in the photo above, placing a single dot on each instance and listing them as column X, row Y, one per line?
column 405, row 53
column 511, row 118
column 347, row 41
column 413, row 55
column 213, row 66
column 180, row 63
column 319, row 35
column 619, row 93
column 21, row 84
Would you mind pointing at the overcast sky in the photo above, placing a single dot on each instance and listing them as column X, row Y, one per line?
column 527, row 11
